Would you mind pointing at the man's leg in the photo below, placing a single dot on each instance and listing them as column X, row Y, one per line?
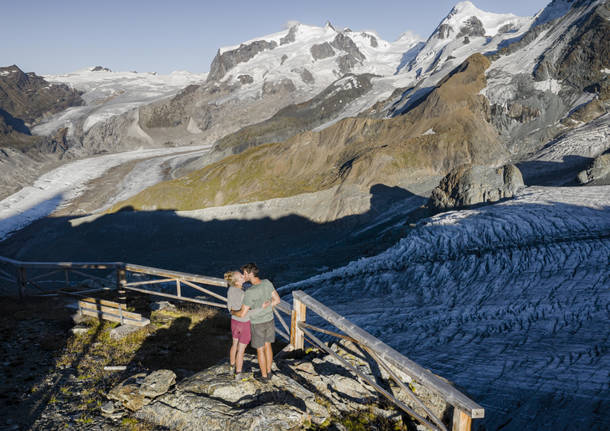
column 268, row 356
column 262, row 361
column 239, row 360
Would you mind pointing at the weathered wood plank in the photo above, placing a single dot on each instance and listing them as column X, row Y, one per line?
column 282, row 322
column 115, row 317
column 206, row 291
column 461, row 420
column 284, row 307
column 386, row 353
column 141, row 283
column 103, row 302
column 373, row 384
column 109, row 309
column 299, row 311
column 167, row 295
column 407, row 390
column 213, row 281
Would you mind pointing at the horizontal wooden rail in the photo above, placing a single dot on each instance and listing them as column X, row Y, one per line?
column 450, row 394
column 213, row 281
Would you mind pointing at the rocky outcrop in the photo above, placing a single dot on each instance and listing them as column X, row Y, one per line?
column 321, row 51
column 472, row 27
column 580, row 56
column 29, row 97
column 314, row 389
column 598, row 173
column 225, row 61
column 470, row 185
column 290, row 36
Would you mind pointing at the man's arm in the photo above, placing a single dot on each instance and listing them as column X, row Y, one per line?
column 275, row 298
column 241, row 312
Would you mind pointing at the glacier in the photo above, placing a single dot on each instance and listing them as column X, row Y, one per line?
column 509, row 301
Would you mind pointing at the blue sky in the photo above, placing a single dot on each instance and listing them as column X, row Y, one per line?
column 49, row 37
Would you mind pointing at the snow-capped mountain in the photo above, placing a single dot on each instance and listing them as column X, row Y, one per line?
column 464, row 31
column 310, row 57
column 109, row 93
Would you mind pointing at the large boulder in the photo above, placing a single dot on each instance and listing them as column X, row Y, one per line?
column 469, row 185
column 598, row 173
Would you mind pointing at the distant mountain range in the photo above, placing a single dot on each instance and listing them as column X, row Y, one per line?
column 483, row 87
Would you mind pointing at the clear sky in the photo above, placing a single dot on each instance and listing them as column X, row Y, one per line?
column 60, row 36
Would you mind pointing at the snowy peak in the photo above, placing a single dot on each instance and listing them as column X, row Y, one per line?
column 464, row 31
column 307, row 58
column 465, row 19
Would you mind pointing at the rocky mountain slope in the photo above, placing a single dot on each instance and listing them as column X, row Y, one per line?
column 446, row 130
column 489, row 109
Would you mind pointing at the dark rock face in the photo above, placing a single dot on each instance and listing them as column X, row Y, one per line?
column 469, row 185
column 321, row 51
column 245, row 79
column 283, row 59
column 473, row 27
column 28, row 97
column 100, row 69
column 345, row 43
column 283, row 85
column 444, row 31
column 372, row 40
column 345, row 63
column 307, row 77
column 222, row 63
column 582, row 53
column 290, row 37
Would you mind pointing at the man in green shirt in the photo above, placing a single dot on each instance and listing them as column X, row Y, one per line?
column 257, row 300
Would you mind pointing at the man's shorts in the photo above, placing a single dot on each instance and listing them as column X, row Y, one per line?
column 241, row 331
column 263, row 333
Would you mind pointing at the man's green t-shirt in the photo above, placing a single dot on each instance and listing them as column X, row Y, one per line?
column 254, row 298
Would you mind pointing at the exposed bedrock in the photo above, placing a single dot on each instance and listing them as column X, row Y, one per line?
column 469, row 185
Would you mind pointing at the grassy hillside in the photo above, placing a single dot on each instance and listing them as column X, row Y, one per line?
column 447, row 129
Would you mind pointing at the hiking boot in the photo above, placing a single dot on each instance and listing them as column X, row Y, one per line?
column 232, row 370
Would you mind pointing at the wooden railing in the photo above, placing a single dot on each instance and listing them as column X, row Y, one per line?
column 125, row 277
column 464, row 409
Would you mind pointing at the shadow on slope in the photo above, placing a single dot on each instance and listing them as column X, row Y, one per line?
column 286, row 249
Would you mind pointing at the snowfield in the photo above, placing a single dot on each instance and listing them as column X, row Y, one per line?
column 60, row 186
column 107, row 94
column 509, row 301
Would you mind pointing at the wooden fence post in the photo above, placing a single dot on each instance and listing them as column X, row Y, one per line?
column 461, row 420
column 21, row 281
column 121, row 281
column 297, row 337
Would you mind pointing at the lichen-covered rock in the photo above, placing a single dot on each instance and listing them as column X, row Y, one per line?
column 128, row 393
column 469, row 185
column 157, row 383
column 309, row 389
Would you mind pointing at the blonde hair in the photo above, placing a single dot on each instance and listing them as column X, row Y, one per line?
column 229, row 277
